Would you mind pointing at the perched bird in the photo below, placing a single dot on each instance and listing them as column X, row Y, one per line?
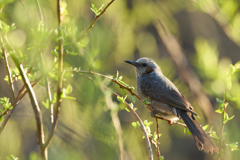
column 167, row 102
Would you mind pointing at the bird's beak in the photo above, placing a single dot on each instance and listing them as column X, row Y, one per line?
column 132, row 63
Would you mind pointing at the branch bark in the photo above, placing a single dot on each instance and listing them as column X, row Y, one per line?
column 35, row 106
column 60, row 77
column 11, row 88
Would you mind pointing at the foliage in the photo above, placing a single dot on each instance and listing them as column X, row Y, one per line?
column 87, row 128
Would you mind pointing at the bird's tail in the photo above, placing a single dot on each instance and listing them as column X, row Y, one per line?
column 202, row 140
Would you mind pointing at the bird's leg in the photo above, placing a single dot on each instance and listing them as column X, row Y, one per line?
column 170, row 123
column 154, row 113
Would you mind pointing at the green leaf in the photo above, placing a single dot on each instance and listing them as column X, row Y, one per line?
column 146, row 123
column 68, row 90
column 131, row 88
column 161, row 157
column 5, row 103
column 220, row 109
column 234, row 146
column 54, row 52
column 64, row 11
column 97, row 11
column 219, row 100
column 145, row 101
column 117, row 75
column 232, row 69
column 205, row 127
column 120, row 99
column 133, row 99
column 6, row 78
column 226, row 118
column 186, row 130
column 237, row 66
column 12, row 158
column 213, row 133
column 136, row 124
column 123, row 91
column 127, row 109
column 46, row 104
column 69, row 97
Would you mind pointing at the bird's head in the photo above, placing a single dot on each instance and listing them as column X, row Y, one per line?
column 144, row 66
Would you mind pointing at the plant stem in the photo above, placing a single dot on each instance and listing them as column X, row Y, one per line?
column 223, row 123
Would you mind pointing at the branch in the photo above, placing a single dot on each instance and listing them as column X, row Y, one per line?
column 36, row 109
column 135, row 114
column 11, row 88
column 223, row 123
column 129, row 89
column 60, row 77
column 116, row 122
column 141, row 125
column 9, row 73
column 157, row 146
column 96, row 18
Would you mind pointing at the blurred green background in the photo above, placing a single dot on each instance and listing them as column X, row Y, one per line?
column 207, row 32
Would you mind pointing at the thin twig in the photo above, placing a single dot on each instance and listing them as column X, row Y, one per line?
column 141, row 125
column 96, row 18
column 223, row 123
column 135, row 114
column 114, row 81
column 36, row 109
column 125, row 87
column 48, row 90
column 60, row 77
column 158, row 150
column 11, row 88
column 116, row 123
column 9, row 73
column 40, row 13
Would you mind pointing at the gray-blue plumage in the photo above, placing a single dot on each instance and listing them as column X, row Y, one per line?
column 167, row 101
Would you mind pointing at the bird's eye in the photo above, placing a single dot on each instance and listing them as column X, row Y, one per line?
column 144, row 64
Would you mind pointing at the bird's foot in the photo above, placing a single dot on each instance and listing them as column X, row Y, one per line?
column 170, row 123
column 154, row 113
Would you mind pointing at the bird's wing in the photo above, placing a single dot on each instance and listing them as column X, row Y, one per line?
column 168, row 94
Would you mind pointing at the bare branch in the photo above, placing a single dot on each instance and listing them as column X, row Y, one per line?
column 116, row 123
column 141, row 125
column 158, row 150
column 60, row 77
column 36, row 109
column 9, row 73
column 11, row 88
column 134, row 113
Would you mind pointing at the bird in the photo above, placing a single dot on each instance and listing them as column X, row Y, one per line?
column 167, row 102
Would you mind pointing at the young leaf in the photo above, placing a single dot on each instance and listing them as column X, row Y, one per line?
column 205, row 127
column 123, row 91
column 226, row 118
column 120, row 99
column 136, row 124
column 133, row 99
column 46, row 104
column 234, row 146
column 145, row 101
column 219, row 100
